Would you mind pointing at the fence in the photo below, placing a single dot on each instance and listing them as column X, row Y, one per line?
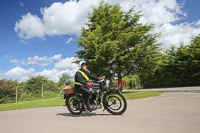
column 10, row 93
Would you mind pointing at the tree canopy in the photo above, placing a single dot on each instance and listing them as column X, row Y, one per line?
column 179, row 67
column 115, row 44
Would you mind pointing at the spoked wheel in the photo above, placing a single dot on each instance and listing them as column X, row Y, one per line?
column 115, row 103
column 74, row 104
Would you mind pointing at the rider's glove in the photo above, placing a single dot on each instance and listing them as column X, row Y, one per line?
column 89, row 84
column 99, row 79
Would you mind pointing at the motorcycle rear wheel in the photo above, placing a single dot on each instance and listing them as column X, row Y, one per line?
column 74, row 104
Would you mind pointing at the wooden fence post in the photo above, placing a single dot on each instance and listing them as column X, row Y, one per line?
column 16, row 93
column 64, row 85
column 42, row 91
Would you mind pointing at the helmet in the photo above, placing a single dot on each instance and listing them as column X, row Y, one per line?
column 82, row 63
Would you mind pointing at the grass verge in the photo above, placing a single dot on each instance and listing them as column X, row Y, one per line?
column 138, row 95
column 60, row 101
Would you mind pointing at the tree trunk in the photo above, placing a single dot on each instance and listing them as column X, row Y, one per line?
column 109, row 77
column 120, row 82
column 110, row 83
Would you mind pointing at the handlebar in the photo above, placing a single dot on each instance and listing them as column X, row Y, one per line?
column 101, row 80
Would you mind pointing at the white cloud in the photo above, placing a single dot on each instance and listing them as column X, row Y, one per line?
column 66, row 64
column 198, row 23
column 18, row 73
column 15, row 61
column 23, row 41
column 69, row 17
column 59, row 18
column 8, row 56
column 36, row 60
column 29, row 26
column 54, row 74
column 56, row 57
column 61, row 66
column 69, row 40
column 176, row 34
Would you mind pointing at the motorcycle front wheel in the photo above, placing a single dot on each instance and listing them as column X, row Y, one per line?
column 114, row 102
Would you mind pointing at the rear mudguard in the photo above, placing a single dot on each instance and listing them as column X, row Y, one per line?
column 67, row 95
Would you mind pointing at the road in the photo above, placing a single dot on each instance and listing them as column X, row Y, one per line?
column 174, row 111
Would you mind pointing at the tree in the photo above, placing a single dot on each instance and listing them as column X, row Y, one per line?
column 178, row 67
column 189, row 62
column 34, row 84
column 7, row 90
column 65, row 79
column 194, row 50
column 115, row 44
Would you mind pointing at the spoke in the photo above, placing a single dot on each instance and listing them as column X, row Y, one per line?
column 114, row 102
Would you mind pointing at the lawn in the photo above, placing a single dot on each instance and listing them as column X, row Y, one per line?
column 138, row 95
column 60, row 101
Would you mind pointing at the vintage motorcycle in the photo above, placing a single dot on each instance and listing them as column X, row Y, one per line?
column 112, row 99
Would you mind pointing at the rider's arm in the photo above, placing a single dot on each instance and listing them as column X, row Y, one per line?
column 90, row 76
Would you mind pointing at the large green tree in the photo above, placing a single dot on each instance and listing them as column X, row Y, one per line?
column 114, row 43
column 189, row 62
column 194, row 49
column 178, row 67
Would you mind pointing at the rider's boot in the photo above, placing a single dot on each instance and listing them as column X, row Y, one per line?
column 90, row 107
column 98, row 106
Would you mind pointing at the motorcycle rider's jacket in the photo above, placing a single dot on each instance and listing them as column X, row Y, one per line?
column 82, row 77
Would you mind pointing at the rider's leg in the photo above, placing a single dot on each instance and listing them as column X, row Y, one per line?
column 87, row 96
column 93, row 98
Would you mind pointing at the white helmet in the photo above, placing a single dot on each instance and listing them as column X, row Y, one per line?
column 82, row 63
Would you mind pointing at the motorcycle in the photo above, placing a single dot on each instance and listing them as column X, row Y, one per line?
column 112, row 99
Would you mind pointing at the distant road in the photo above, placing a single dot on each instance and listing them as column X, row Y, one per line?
column 177, row 110
column 173, row 89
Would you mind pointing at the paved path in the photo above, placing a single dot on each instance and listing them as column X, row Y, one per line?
column 172, row 112
column 174, row 89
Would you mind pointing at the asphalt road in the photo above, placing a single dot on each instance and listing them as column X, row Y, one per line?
column 175, row 111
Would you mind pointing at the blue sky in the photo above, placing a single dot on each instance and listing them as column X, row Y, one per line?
column 37, row 36
column 12, row 45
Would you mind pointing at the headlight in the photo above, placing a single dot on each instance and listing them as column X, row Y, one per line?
column 107, row 83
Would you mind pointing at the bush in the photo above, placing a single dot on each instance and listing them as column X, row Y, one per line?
column 7, row 90
column 27, row 96
column 50, row 94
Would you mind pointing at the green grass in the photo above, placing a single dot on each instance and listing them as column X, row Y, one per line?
column 33, row 104
column 138, row 95
column 61, row 101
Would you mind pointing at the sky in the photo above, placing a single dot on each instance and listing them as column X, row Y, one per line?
column 37, row 36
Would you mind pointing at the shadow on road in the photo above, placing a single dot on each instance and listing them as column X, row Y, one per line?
column 82, row 115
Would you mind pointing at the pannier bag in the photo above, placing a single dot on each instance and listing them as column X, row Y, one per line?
column 69, row 90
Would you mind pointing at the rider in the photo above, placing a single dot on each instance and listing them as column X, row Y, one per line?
column 82, row 83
